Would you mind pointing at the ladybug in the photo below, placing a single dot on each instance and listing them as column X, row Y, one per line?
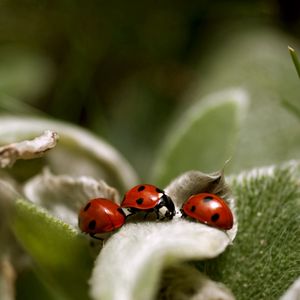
column 100, row 216
column 148, row 198
column 209, row 209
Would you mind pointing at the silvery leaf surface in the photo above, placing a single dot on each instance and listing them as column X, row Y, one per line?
column 28, row 149
column 132, row 260
column 64, row 195
column 78, row 153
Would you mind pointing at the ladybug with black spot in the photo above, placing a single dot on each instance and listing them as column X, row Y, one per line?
column 148, row 198
column 209, row 209
column 100, row 215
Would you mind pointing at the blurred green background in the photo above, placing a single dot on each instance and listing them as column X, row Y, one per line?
column 127, row 69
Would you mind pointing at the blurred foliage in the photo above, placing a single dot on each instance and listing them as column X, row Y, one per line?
column 123, row 69
column 120, row 68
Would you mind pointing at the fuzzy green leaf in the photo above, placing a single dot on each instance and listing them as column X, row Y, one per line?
column 293, row 292
column 264, row 259
column 60, row 253
column 204, row 138
column 77, row 153
column 256, row 59
column 295, row 59
column 132, row 260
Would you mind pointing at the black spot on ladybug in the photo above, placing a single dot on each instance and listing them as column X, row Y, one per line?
column 141, row 188
column 87, row 206
column 193, row 208
column 215, row 217
column 140, row 201
column 207, row 199
column 92, row 225
column 159, row 190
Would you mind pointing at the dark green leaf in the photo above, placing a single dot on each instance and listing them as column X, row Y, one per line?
column 61, row 255
column 204, row 138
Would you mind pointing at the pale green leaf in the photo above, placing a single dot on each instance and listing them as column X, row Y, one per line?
column 204, row 137
column 130, row 264
column 61, row 255
column 185, row 282
column 131, row 261
column 256, row 59
column 78, row 153
column 65, row 195
column 295, row 59
column 264, row 259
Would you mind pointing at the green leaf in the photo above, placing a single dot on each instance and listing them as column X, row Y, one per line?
column 185, row 282
column 256, row 58
column 264, row 258
column 293, row 292
column 204, row 138
column 295, row 60
column 48, row 190
column 78, row 152
column 132, row 260
column 60, row 253
column 30, row 287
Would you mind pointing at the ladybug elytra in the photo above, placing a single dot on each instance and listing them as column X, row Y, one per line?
column 209, row 209
column 100, row 215
column 148, row 198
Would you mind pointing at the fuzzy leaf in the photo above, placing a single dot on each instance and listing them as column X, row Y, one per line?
column 185, row 282
column 60, row 253
column 27, row 149
column 293, row 293
column 64, row 195
column 195, row 182
column 204, row 137
column 264, row 259
column 132, row 260
column 78, row 152
column 8, row 195
column 257, row 59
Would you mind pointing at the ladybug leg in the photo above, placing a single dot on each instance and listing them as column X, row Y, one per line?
column 96, row 237
column 183, row 214
column 129, row 215
column 158, row 215
column 132, row 212
column 148, row 212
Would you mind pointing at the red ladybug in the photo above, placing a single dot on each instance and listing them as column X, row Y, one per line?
column 100, row 216
column 209, row 209
column 148, row 198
